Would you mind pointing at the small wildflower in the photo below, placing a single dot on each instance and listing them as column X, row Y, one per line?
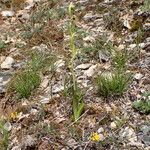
column 95, row 137
column 14, row 115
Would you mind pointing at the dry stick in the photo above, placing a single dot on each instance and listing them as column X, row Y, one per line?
column 78, row 118
column 86, row 145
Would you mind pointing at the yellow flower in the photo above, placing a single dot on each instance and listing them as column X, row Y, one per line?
column 14, row 115
column 95, row 137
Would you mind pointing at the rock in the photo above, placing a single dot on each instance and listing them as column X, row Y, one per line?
column 29, row 141
column 127, row 24
column 148, row 39
column 4, row 79
column 90, row 72
column 45, row 100
column 99, row 22
column 142, row 45
column 88, row 16
column 103, row 56
column 91, row 17
column 137, row 144
column 132, row 46
column 16, row 148
column 101, row 137
column 83, row 66
column 7, row 63
column 72, row 143
column 34, row 111
column 25, row 16
column 144, row 134
column 138, row 76
column 7, row 13
column 113, row 125
column 145, row 129
column 128, row 134
column 2, row 58
column 100, row 130
column 44, row 83
column 84, row 82
column 108, row 109
column 57, row 88
column 89, row 39
column 121, row 47
column 147, row 62
column 7, row 126
column 59, row 63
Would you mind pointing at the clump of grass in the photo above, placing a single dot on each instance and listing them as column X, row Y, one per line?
column 25, row 83
column 5, row 136
column 29, row 79
column 146, row 6
column 116, row 81
column 112, row 84
column 143, row 105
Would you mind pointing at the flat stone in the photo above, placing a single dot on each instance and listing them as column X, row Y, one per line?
column 100, row 130
column 89, row 39
column 29, row 141
column 7, row 63
column 45, row 100
column 104, row 56
column 83, row 66
column 4, row 79
column 7, row 13
column 132, row 46
column 138, row 76
column 57, row 88
column 90, row 72
column 113, row 125
column 44, row 83
column 128, row 134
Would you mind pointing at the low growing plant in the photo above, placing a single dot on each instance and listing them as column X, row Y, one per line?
column 146, row 6
column 5, row 136
column 143, row 105
column 119, row 60
column 2, row 45
column 100, row 44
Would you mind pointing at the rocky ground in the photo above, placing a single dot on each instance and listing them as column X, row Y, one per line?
column 43, row 120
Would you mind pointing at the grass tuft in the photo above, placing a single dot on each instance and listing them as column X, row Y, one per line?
column 25, row 83
column 112, row 84
column 29, row 79
column 115, row 83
